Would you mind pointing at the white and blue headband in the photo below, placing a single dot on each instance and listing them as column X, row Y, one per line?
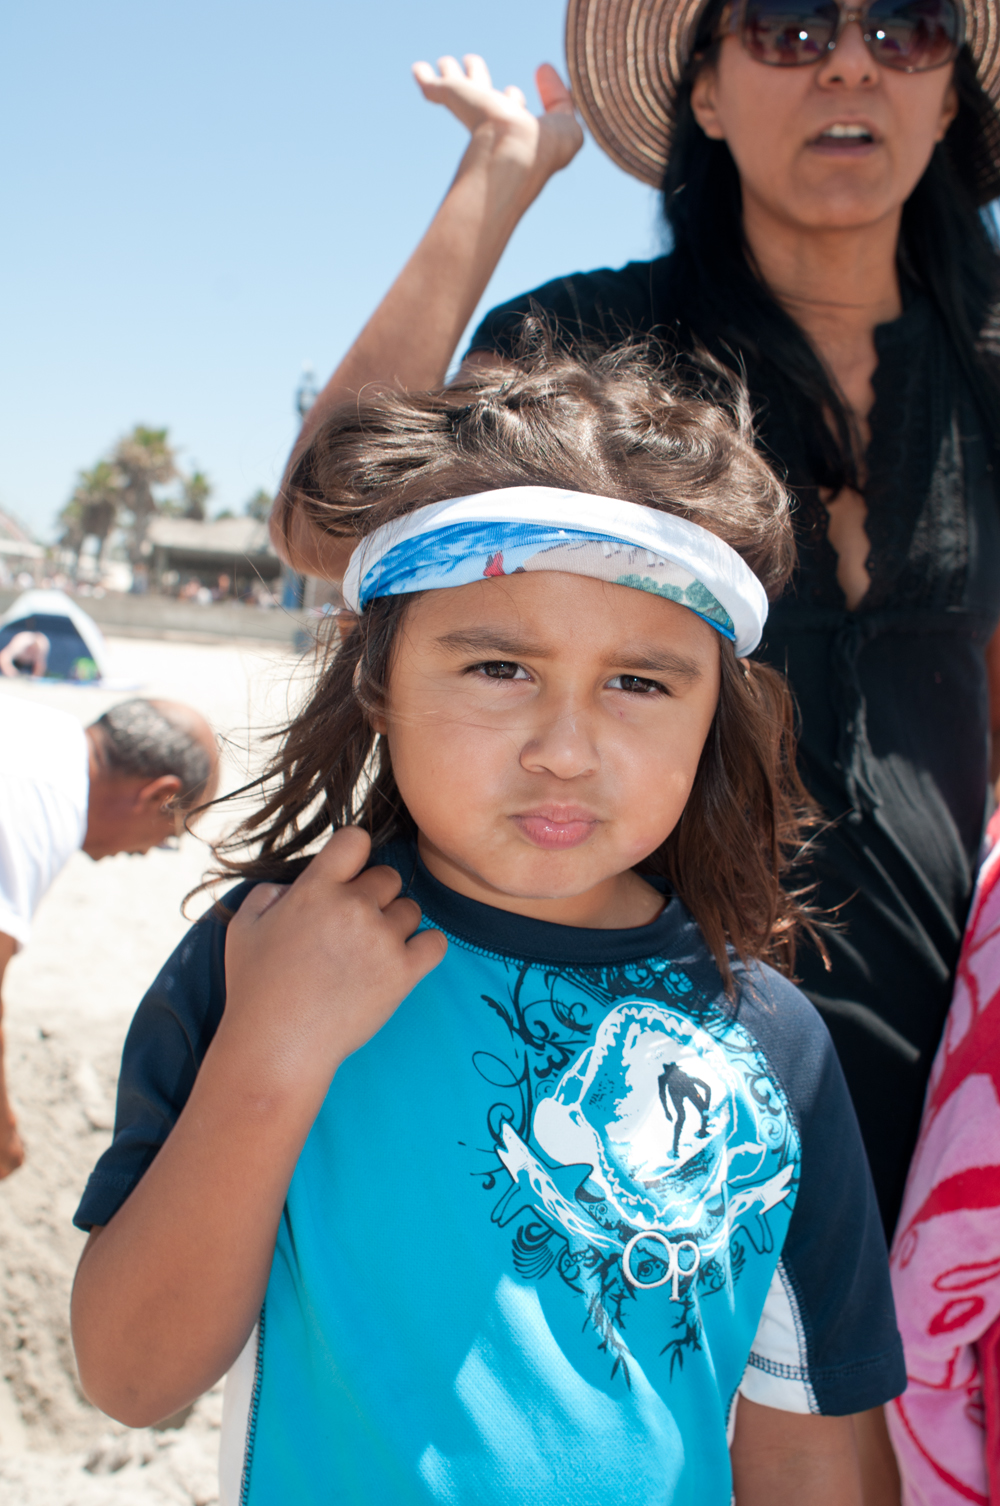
column 520, row 528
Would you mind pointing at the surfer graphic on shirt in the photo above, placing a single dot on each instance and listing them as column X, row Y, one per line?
column 681, row 1088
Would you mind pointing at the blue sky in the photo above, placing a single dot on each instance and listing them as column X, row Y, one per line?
column 200, row 197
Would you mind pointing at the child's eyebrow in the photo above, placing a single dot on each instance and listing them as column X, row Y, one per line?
column 636, row 659
column 487, row 642
column 655, row 661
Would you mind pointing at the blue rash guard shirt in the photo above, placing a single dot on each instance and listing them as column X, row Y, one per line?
column 550, row 1220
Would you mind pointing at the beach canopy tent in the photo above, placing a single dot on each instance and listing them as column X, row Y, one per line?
column 76, row 646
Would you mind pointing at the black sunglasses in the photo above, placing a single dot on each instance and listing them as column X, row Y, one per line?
column 911, row 36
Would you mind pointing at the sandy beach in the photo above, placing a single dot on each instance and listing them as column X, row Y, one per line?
column 100, row 936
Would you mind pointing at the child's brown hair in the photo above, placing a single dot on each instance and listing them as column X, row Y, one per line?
column 608, row 423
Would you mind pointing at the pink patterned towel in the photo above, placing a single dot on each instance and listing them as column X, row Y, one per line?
column 946, row 1254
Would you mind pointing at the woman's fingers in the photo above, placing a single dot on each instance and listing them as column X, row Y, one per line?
column 552, row 91
column 450, row 68
column 476, row 70
column 547, row 142
column 559, row 123
column 450, row 87
column 466, row 88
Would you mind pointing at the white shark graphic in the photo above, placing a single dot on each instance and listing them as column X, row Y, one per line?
column 537, row 1183
column 609, row 1124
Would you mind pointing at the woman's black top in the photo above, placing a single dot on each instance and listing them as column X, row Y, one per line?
column 892, row 697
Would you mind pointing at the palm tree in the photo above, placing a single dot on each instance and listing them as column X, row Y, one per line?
column 195, row 492
column 259, row 505
column 144, row 459
column 92, row 510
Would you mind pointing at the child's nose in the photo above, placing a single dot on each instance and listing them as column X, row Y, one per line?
column 565, row 747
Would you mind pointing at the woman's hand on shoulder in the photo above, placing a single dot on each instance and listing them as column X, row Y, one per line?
column 542, row 144
column 315, row 968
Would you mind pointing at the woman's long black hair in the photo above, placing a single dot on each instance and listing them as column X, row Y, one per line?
column 946, row 250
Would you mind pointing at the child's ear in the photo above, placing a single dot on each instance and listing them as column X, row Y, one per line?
column 377, row 720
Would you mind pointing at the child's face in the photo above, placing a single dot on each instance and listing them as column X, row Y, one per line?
column 545, row 731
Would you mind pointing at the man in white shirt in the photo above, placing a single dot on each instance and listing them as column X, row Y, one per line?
column 123, row 784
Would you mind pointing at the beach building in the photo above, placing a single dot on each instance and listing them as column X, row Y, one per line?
column 231, row 557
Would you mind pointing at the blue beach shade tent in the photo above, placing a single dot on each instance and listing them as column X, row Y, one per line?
column 76, row 646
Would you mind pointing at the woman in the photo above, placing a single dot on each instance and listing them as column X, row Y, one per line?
column 821, row 176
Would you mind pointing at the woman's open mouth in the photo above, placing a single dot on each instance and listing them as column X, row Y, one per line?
column 844, row 138
column 556, row 827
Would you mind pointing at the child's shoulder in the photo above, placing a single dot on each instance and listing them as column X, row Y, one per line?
column 766, row 1003
column 776, row 1004
column 197, row 963
column 181, row 1010
column 170, row 1033
column 792, row 1035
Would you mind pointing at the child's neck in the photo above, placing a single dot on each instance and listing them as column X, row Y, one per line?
column 617, row 904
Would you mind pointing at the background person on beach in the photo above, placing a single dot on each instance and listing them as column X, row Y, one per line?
column 26, row 653
column 493, row 1267
column 823, row 203
column 122, row 784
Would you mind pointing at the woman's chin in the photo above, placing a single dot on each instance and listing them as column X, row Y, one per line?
column 833, row 192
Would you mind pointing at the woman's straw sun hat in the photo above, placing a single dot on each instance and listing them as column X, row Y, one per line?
column 627, row 59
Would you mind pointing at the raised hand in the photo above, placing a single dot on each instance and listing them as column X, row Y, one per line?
column 544, row 143
column 412, row 336
column 317, row 967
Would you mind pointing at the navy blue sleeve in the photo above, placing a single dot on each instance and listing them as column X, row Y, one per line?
column 166, row 1044
column 834, row 1257
column 603, row 307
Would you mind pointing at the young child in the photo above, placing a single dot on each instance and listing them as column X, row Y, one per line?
column 481, row 1147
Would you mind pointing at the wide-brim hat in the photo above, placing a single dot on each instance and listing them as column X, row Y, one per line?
column 627, row 59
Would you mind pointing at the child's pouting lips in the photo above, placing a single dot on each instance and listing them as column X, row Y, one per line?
column 556, row 826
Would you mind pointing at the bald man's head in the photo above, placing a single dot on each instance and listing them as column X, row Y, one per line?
column 147, row 739
column 150, row 762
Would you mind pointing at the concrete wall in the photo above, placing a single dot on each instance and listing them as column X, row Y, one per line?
column 159, row 617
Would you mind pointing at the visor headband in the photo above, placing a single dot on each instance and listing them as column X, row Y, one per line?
column 523, row 528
